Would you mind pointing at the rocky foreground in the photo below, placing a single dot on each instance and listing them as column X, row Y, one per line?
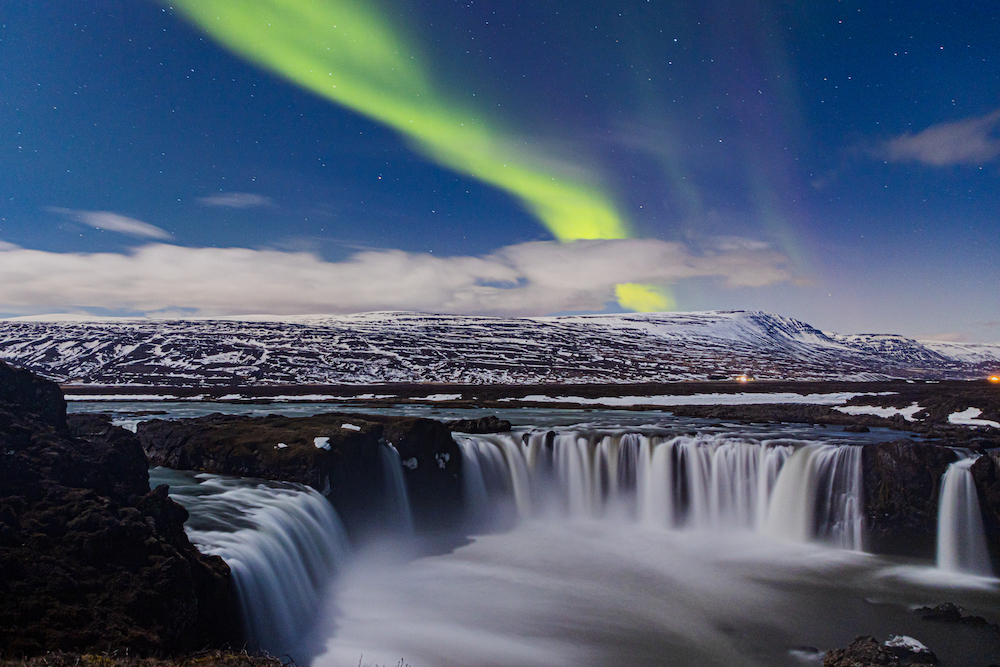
column 94, row 562
column 91, row 559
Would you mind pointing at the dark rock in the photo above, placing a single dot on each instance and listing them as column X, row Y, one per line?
column 950, row 613
column 856, row 428
column 487, row 424
column 863, row 652
column 348, row 470
column 986, row 473
column 902, row 480
column 90, row 558
column 25, row 393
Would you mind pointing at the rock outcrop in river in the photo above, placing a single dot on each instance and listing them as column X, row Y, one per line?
column 90, row 559
column 902, row 484
column 986, row 473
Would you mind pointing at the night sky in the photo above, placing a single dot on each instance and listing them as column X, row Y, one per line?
column 837, row 162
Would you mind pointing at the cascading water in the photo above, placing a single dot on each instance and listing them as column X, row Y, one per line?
column 396, row 494
column 701, row 481
column 818, row 495
column 961, row 539
column 283, row 543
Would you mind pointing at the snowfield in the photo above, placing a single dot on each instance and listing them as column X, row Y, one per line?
column 389, row 347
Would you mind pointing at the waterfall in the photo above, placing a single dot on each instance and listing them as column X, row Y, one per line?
column 818, row 494
column 485, row 478
column 703, row 481
column 283, row 543
column 397, row 498
column 961, row 540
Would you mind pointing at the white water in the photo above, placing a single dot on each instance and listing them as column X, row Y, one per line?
column 638, row 548
column 283, row 543
column 961, row 541
column 818, row 494
column 397, row 497
column 704, row 481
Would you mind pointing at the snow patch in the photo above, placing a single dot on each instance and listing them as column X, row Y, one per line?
column 438, row 397
column 909, row 643
column 327, row 397
column 121, row 397
column 907, row 412
column 350, row 427
column 968, row 418
column 702, row 399
column 322, row 443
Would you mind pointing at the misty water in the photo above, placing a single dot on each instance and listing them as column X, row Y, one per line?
column 697, row 554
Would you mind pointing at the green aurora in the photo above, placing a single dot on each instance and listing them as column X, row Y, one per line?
column 344, row 51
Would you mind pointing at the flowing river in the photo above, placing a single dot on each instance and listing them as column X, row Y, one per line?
column 621, row 538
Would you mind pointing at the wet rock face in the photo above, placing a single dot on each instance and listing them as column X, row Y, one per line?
column 90, row 558
column 986, row 473
column 902, row 482
column 337, row 454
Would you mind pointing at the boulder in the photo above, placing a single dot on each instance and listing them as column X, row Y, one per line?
column 90, row 558
column 949, row 612
column 863, row 652
column 337, row 454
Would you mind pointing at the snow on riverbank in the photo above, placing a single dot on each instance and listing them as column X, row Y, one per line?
column 744, row 398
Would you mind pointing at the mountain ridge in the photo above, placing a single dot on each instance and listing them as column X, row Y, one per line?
column 403, row 347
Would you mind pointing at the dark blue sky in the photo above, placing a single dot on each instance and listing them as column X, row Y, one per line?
column 834, row 161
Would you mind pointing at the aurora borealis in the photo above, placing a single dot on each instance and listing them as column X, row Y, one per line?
column 834, row 162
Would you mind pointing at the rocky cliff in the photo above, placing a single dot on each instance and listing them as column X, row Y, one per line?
column 986, row 472
column 902, row 483
column 337, row 454
column 90, row 558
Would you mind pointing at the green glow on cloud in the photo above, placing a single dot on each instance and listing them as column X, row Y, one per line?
column 643, row 298
column 345, row 51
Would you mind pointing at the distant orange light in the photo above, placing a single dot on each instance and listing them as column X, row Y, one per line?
column 742, row 378
column 995, row 378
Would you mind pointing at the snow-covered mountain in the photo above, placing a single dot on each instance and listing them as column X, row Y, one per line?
column 387, row 347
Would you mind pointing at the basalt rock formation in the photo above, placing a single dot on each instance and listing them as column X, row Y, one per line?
column 902, row 481
column 90, row 558
column 337, row 454
column 986, row 472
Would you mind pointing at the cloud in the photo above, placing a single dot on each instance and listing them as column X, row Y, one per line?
column 948, row 337
column 236, row 200
column 968, row 141
column 112, row 222
column 526, row 279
